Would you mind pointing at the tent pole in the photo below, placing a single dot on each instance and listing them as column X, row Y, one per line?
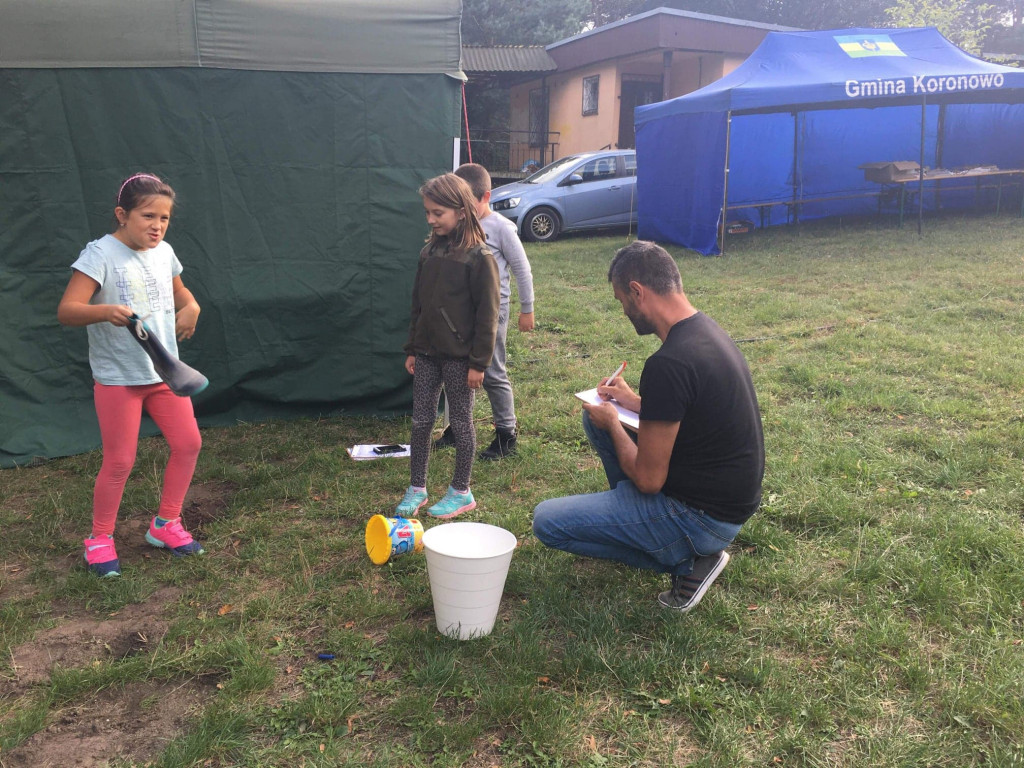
column 725, row 185
column 469, row 147
column 920, row 170
column 940, row 138
column 940, row 150
column 796, row 166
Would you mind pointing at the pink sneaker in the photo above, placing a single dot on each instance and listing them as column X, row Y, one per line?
column 173, row 537
column 101, row 557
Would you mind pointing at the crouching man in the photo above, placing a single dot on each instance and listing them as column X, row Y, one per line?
column 684, row 484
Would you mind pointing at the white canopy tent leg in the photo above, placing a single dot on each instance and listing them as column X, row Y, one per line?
column 723, row 224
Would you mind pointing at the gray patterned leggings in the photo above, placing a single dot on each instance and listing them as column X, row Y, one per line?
column 431, row 373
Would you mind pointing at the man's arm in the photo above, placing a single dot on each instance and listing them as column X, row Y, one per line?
column 645, row 462
column 653, row 451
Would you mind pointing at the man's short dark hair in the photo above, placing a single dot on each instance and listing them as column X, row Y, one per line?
column 477, row 177
column 648, row 264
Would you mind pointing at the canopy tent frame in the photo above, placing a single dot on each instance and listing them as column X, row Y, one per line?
column 748, row 90
column 797, row 195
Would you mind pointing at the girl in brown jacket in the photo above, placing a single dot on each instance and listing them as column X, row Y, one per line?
column 451, row 337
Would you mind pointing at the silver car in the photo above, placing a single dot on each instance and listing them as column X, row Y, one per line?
column 583, row 191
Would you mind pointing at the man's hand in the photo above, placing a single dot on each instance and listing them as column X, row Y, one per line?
column 603, row 416
column 525, row 321
column 620, row 392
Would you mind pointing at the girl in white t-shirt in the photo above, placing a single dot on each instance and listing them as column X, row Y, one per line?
column 133, row 271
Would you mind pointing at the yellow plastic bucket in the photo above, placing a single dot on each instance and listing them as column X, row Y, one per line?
column 388, row 537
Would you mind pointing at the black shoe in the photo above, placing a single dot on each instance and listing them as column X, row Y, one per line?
column 687, row 590
column 446, row 440
column 503, row 444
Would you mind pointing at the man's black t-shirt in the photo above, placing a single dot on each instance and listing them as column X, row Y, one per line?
column 699, row 378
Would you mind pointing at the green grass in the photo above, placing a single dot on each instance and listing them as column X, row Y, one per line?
column 872, row 614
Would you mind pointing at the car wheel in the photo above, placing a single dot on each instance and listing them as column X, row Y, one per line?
column 541, row 225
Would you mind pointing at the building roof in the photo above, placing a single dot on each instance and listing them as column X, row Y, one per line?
column 702, row 17
column 506, row 58
column 662, row 29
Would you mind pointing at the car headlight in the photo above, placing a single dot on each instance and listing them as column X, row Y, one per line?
column 504, row 205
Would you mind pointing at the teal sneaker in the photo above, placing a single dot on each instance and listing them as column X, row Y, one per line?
column 453, row 503
column 412, row 501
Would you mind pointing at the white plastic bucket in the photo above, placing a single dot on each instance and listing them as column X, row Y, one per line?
column 467, row 564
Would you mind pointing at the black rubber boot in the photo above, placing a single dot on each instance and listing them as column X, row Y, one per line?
column 503, row 444
column 446, row 440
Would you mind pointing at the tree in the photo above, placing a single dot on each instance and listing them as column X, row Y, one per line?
column 833, row 14
column 523, row 22
column 965, row 22
column 606, row 11
column 805, row 14
column 1011, row 12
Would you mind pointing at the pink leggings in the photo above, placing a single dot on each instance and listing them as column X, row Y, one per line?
column 119, row 410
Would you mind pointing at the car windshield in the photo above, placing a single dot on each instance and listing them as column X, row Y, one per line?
column 549, row 172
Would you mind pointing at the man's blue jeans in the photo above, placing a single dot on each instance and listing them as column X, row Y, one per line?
column 645, row 530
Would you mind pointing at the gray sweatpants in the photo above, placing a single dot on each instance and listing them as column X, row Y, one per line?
column 496, row 383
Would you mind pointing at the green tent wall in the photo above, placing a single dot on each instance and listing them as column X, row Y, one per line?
column 297, row 221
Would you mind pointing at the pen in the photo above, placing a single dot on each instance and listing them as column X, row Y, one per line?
column 618, row 372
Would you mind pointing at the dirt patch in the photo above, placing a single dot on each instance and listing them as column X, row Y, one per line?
column 14, row 582
column 287, row 683
column 134, row 722
column 18, row 503
column 206, row 503
column 486, row 753
column 81, row 640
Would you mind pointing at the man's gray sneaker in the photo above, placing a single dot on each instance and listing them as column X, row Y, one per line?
column 687, row 590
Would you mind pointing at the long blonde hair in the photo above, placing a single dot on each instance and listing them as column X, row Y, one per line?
column 449, row 191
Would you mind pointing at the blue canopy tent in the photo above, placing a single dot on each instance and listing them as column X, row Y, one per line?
column 786, row 132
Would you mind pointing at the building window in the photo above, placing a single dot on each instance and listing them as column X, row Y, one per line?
column 590, row 86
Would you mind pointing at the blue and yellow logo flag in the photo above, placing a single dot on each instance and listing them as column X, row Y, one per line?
column 859, row 46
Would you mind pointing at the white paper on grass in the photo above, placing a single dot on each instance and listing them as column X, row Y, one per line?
column 365, row 452
column 629, row 418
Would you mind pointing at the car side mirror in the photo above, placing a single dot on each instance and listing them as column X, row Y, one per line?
column 572, row 178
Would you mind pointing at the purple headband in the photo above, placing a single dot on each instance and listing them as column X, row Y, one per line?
column 133, row 178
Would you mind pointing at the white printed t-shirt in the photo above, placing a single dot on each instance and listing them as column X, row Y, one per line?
column 142, row 280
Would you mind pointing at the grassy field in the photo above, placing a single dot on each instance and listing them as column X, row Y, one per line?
column 873, row 613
